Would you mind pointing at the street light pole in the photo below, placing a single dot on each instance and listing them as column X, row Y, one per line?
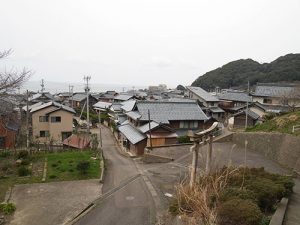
column 99, row 115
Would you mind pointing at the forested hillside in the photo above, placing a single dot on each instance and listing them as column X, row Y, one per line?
column 237, row 73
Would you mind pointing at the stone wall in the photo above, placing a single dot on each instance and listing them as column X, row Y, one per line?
column 282, row 148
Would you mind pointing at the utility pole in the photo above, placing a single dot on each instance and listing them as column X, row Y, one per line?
column 99, row 115
column 87, row 90
column 43, row 86
column 71, row 94
column 27, row 121
column 150, row 129
column 246, row 121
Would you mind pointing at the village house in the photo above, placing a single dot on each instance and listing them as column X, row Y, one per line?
column 239, row 119
column 108, row 96
column 123, row 97
column 208, row 102
column 266, row 109
column 233, row 101
column 168, row 121
column 277, row 94
column 42, row 97
column 51, row 122
column 78, row 100
column 9, row 123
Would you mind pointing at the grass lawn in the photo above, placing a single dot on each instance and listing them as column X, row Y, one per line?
column 281, row 124
column 63, row 166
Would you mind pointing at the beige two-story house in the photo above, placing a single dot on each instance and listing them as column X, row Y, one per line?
column 51, row 122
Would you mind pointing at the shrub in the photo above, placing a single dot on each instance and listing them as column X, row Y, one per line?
column 5, row 167
column 231, row 193
column 184, row 139
column 23, row 171
column 23, row 154
column 239, row 212
column 267, row 192
column 5, row 154
column 52, row 176
column 71, row 170
column 7, row 208
column 54, row 165
column 83, row 166
column 25, row 162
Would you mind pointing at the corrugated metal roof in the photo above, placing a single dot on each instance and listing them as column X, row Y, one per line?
column 145, row 128
column 102, row 105
column 235, row 96
column 203, row 94
column 132, row 134
column 163, row 112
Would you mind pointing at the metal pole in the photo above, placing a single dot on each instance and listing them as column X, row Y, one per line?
column 246, row 121
column 87, row 89
column 150, row 129
column 27, row 121
column 100, row 128
column 194, row 149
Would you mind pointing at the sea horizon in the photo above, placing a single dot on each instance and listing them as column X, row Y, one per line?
column 57, row 87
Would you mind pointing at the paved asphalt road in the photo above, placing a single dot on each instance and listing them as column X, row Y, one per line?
column 131, row 203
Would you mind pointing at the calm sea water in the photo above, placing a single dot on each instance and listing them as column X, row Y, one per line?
column 56, row 87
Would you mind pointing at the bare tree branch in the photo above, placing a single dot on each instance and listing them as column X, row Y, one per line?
column 10, row 81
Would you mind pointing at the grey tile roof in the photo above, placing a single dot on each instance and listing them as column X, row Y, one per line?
column 203, row 94
column 252, row 114
column 128, row 105
column 116, row 106
column 123, row 97
column 134, row 115
column 48, row 104
column 216, row 110
column 145, row 128
column 163, row 112
column 235, row 96
column 41, row 95
column 32, row 106
column 131, row 133
column 273, row 108
column 273, row 90
column 78, row 97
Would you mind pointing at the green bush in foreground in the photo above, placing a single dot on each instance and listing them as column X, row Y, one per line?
column 83, row 166
column 23, row 171
column 239, row 211
column 7, row 208
column 23, row 154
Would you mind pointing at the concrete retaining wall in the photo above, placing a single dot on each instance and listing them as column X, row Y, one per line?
column 282, row 148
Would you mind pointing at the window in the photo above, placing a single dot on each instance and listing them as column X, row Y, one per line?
column 195, row 124
column 188, row 124
column 184, row 124
column 44, row 118
column 55, row 119
column 65, row 135
column 267, row 101
column 44, row 133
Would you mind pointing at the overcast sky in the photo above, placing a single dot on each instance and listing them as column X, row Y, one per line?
column 143, row 42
